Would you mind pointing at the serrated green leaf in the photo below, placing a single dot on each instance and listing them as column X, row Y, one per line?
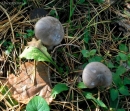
column 124, row 90
column 120, row 70
column 81, row 85
column 37, row 103
column 58, row 88
column 118, row 59
column 126, row 80
column 110, row 64
column 116, row 79
column 114, row 94
column 34, row 53
column 96, row 59
column 123, row 47
column 123, row 56
column 92, row 52
column 86, row 36
column 85, row 53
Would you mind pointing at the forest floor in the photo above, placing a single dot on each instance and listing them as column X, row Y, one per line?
column 95, row 31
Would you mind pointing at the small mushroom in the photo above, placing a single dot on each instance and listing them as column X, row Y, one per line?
column 50, row 31
column 96, row 74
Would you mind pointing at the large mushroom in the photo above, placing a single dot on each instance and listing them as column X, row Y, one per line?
column 96, row 74
column 49, row 30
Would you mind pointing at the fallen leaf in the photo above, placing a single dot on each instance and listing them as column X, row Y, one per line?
column 35, row 50
column 23, row 88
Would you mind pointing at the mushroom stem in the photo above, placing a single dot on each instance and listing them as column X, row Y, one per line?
column 97, row 108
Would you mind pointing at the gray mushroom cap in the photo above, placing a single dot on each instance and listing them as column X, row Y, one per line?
column 49, row 30
column 96, row 74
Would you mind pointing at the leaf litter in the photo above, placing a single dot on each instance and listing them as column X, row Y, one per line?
column 22, row 86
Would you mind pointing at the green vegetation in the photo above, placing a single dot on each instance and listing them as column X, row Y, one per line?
column 93, row 32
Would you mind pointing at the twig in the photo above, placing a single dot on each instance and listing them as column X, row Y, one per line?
column 64, row 45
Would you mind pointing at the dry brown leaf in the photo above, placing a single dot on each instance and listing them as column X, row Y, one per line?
column 22, row 86
column 35, row 43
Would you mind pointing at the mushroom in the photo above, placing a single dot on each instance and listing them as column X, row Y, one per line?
column 96, row 74
column 50, row 31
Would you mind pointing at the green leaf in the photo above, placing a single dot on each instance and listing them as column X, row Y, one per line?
column 90, row 96
column 117, row 80
column 110, row 64
column 128, row 57
column 86, row 36
column 118, row 59
column 24, row 2
column 9, row 49
column 120, row 70
column 123, row 56
column 99, row 1
column 52, row 12
column 124, row 90
column 58, row 88
column 100, row 103
column 123, row 47
column 30, row 34
column 85, row 53
column 81, row 1
column 25, row 36
column 30, row 31
column 81, row 85
column 34, row 53
column 114, row 94
column 126, row 80
column 37, row 103
column 120, row 109
column 113, row 104
column 128, row 64
column 44, row 51
column 96, row 59
column 92, row 52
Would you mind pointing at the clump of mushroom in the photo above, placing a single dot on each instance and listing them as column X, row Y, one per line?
column 50, row 31
column 96, row 74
